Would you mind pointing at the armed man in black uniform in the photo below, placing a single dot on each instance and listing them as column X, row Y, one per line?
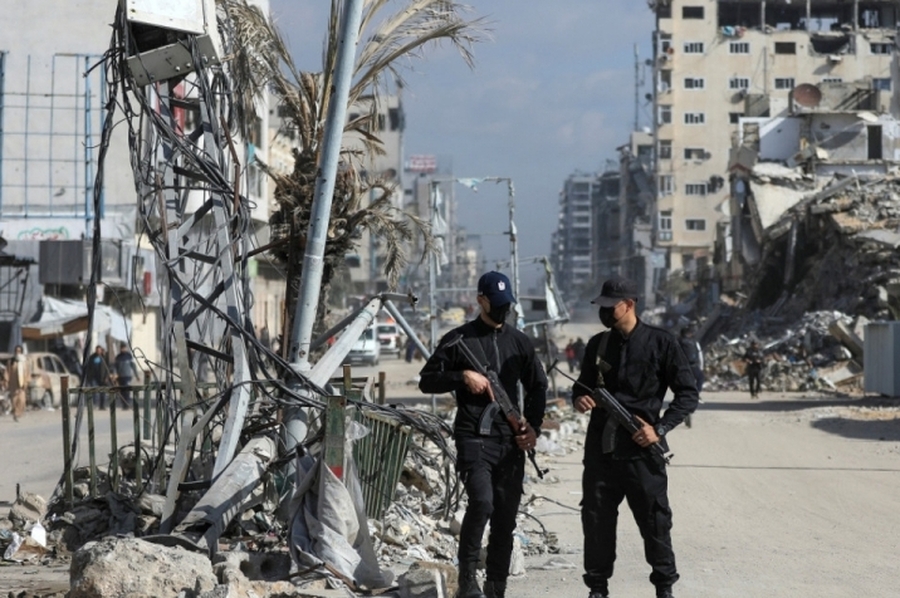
column 636, row 363
column 490, row 456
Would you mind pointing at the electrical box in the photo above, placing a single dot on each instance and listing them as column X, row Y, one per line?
column 880, row 358
column 68, row 262
column 159, row 30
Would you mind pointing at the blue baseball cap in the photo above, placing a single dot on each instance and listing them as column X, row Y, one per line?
column 496, row 287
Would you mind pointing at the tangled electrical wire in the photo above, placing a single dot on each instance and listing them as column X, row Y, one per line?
column 181, row 139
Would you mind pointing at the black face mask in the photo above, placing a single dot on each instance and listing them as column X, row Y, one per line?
column 499, row 313
column 607, row 317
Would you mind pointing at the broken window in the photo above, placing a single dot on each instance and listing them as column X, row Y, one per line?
column 691, row 12
column 666, row 184
column 665, row 149
column 830, row 17
column 785, row 47
column 830, row 43
column 786, row 17
column 695, row 224
column 694, row 118
column 878, row 15
column 694, row 153
column 881, row 48
column 739, row 47
column 739, row 83
column 694, row 83
column 665, row 81
column 733, row 13
column 665, row 114
column 784, row 83
column 734, row 117
column 695, row 189
column 881, row 83
column 832, row 80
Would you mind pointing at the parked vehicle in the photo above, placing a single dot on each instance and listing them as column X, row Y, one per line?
column 390, row 337
column 367, row 349
column 47, row 370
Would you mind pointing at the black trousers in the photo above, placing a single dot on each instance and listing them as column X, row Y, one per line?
column 644, row 484
column 753, row 378
column 491, row 470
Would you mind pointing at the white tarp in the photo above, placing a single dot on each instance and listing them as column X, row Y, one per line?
column 329, row 524
column 107, row 321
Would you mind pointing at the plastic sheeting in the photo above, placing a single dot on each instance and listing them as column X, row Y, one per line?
column 329, row 525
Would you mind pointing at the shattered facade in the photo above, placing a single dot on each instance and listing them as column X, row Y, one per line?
column 718, row 61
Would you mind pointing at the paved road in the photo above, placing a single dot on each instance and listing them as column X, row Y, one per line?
column 791, row 496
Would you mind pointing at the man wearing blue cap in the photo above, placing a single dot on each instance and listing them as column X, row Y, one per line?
column 636, row 363
column 490, row 457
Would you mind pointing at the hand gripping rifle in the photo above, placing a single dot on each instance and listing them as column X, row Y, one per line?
column 501, row 401
column 614, row 408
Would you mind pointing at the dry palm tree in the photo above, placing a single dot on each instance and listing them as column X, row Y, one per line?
column 261, row 61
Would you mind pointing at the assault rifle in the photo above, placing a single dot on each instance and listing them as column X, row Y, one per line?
column 501, row 401
column 614, row 408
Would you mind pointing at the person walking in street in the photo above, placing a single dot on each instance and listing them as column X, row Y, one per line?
column 753, row 359
column 636, row 363
column 97, row 374
column 126, row 370
column 570, row 355
column 579, row 345
column 490, row 457
column 18, row 373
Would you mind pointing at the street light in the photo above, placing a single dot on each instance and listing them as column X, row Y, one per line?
column 472, row 183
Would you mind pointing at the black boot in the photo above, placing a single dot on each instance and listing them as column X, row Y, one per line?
column 664, row 592
column 468, row 585
column 494, row 589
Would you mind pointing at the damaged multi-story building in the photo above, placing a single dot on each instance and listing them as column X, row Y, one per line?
column 720, row 62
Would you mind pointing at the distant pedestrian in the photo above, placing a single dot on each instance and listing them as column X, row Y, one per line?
column 409, row 349
column 18, row 375
column 754, row 361
column 570, row 355
column 126, row 370
column 579, row 351
column 97, row 374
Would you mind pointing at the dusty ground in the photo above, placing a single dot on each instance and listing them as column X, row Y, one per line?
column 791, row 496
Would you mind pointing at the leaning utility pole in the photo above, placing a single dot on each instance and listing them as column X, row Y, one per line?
column 313, row 260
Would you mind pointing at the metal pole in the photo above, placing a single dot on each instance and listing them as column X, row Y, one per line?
column 313, row 260
column 432, row 284
column 308, row 300
column 514, row 251
column 2, row 103
column 67, row 439
column 432, row 276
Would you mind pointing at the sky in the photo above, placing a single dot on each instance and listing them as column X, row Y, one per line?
column 552, row 93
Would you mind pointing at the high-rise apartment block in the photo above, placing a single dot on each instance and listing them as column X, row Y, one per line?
column 718, row 60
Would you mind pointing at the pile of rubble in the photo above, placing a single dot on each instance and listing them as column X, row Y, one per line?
column 822, row 351
column 835, row 251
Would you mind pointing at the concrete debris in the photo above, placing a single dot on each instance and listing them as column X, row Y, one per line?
column 801, row 357
column 114, row 567
column 28, row 509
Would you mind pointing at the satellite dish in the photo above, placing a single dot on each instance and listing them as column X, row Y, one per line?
column 807, row 95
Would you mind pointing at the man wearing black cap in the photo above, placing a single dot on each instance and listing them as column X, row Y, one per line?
column 490, row 458
column 636, row 363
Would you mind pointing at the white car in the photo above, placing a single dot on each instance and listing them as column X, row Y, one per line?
column 390, row 337
column 366, row 349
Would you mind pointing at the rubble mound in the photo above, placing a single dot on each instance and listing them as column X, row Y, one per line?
column 115, row 567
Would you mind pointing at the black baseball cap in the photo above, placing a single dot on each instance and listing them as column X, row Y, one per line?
column 496, row 287
column 616, row 289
